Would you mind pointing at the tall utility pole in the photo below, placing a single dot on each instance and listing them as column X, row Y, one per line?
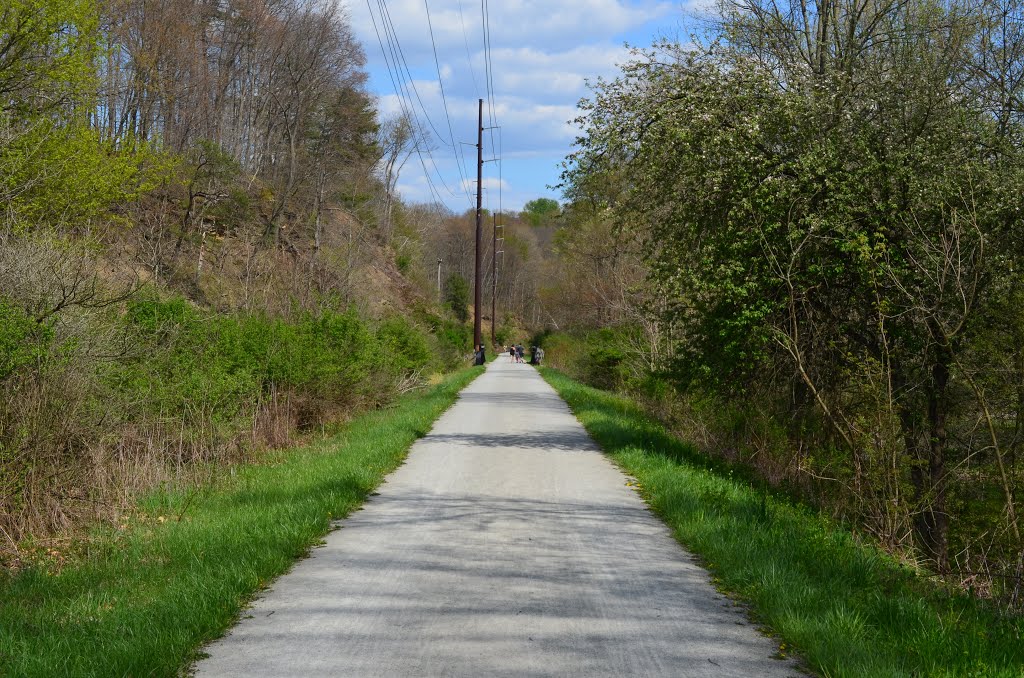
column 477, row 339
column 439, row 300
column 494, row 280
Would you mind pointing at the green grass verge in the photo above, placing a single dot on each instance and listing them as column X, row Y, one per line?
column 845, row 607
column 142, row 601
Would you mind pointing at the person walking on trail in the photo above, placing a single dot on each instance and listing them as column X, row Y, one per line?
column 479, row 356
column 519, row 353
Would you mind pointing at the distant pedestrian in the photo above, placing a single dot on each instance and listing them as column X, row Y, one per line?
column 479, row 356
column 519, row 353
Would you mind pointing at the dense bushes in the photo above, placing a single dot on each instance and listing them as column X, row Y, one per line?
column 224, row 360
column 21, row 339
column 835, row 259
column 758, row 435
column 600, row 358
column 98, row 404
column 452, row 339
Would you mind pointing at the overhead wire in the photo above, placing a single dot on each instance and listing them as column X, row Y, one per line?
column 403, row 104
column 469, row 57
column 491, row 98
column 410, row 85
column 404, row 65
column 410, row 100
column 408, row 94
column 485, row 13
column 444, row 101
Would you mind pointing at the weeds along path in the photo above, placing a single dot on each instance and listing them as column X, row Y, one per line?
column 506, row 545
column 141, row 598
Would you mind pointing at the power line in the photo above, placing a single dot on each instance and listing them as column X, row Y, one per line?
column 469, row 57
column 395, row 66
column 485, row 15
column 392, row 33
column 412, row 104
column 444, row 100
column 404, row 106
column 492, row 99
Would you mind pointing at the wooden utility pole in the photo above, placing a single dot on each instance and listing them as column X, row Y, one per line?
column 477, row 339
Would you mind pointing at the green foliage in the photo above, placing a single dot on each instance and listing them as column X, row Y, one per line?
column 502, row 335
column 23, row 341
column 541, row 211
column 456, row 296
column 827, row 242
column 845, row 608
column 182, row 568
column 47, row 60
column 600, row 358
column 604, row 363
column 403, row 346
column 218, row 364
column 55, row 169
column 451, row 341
column 64, row 175
column 833, row 198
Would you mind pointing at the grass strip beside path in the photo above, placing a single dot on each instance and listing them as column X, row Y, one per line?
column 144, row 600
column 845, row 607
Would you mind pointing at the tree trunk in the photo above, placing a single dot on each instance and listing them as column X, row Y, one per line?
column 318, row 227
column 929, row 476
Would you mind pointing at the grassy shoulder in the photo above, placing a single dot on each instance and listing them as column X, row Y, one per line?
column 144, row 599
column 845, row 607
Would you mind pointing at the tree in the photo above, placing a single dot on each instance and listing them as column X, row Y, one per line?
column 456, row 296
column 54, row 169
column 825, row 198
column 47, row 48
column 541, row 211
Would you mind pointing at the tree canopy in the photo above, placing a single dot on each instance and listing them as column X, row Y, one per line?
column 540, row 211
column 828, row 195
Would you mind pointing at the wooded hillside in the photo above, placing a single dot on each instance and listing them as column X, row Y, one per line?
column 201, row 249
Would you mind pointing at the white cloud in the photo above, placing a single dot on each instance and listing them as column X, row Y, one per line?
column 543, row 53
column 556, row 23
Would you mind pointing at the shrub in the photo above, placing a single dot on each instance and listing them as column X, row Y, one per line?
column 456, row 296
column 177, row 385
column 23, row 341
column 403, row 346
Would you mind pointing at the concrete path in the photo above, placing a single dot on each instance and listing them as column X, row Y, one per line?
column 507, row 545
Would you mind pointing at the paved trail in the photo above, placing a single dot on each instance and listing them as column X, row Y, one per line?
column 507, row 545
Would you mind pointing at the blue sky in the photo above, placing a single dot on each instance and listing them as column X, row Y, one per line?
column 542, row 52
